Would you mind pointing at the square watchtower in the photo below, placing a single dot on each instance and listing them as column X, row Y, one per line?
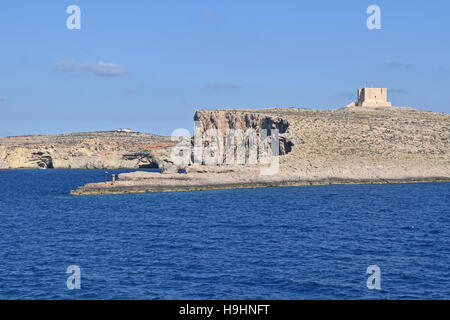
column 372, row 97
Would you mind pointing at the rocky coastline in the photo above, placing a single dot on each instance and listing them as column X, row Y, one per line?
column 86, row 150
column 350, row 145
column 340, row 146
column 142, row 186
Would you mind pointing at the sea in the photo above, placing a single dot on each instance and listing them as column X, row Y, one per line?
column 381, row 241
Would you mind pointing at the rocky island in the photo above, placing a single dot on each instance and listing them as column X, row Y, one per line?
column 361, row 143
column 368, row 141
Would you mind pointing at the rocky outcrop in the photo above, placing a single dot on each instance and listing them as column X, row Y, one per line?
column 244, row 120
column 92, row 150
column 237, row 119
column 345, row 135
column 349, row 145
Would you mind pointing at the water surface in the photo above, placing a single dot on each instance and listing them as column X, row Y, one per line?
column 312, row 242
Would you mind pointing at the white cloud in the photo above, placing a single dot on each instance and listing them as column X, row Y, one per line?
column 101, row 68
column 104, row 69
column 64, row 65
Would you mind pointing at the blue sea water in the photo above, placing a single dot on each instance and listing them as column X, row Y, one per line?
column 312, row 242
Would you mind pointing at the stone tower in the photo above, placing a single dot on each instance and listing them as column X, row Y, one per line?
column 372, row 97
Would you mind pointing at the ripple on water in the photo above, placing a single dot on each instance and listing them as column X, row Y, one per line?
column 275, row 243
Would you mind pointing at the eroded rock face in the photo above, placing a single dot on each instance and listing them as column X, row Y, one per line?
column 354, row 142
column 244, row 120
column 93, row 150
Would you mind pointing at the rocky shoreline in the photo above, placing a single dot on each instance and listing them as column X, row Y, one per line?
column 117, row 189
column 340, row 146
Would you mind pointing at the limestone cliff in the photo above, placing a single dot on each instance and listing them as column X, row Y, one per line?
column 245, row 119
column 92, row 150
column 356, row 142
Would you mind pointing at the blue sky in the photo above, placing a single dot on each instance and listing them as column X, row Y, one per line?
column 148, row 65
